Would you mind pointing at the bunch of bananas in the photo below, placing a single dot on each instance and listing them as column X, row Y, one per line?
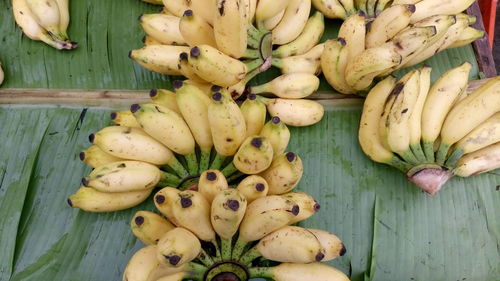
column 183, row 139
column 400, row 36
column 232, row 234
column 228, row 42
column 44, row 20
column 432, row 133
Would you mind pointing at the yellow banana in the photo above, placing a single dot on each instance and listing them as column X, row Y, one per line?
column 164, row 199
column 46, row 13
column 227, row 211
column 455, row 31
column 145, row 266
column 331, row 245
column 216, row 67
column 253, row 187
column 124, row 118
column 149, row 227
column 467, row 36
column 163, row 28
column 277, row 133
column 292, row 23
column 284, row 173
column 254, row 111
column 230, row 26
column 176, row 7
column 427, row 8
column 195, row 30
column 192, row 211
column 480, row 161
column 353, row 30
column 95, row 157
column 267, row 9
column 254, row 155
column 332, row 9
column 204, row 8
column 411, row 40
column 299, row 272
column 185, row 68
column 296, row 112
column 388, row 24
column 334, row 61
column 63, row 6
column 177, row 247
column 123, row 176
column 148, row 40
column 159, row 58
column 360, row 5
column 91, row 200
column 166, row 98
column 291, row 86
column 385, row 4
column 309, row 62
column 211, row 183
column 307, row 205
column 272, row 22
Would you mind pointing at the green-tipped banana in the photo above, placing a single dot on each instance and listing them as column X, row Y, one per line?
column 211, row 183
column 91, row 200
column 309, row 62
column 95, row 157
column 284, row 173
column 308, row 206
column 149, row 227
column 177, row 247
column 277, row 133
column 253, row 187
column 290, row 86
column 254, row 111
column 254, row 155
column 478, row 162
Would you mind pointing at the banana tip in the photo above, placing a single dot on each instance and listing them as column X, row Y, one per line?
column 195, row 52
column 319, row 257
column 85, row 181
column 160, row 199
column 134, row 108
column 260, row 187
column 342, row 41
column 70, row 203
column 251, row 96
column 290, row 156
column 256, row 142
column 233, row 205
column 82, row 156
column 139, row 220
column 211, row 176
column 177, row 84
column 343, row 250
column 113, row 115
column 316, row 206
column 217, row 96
column 188, row 13
column 186, row 202
column 275, row 120
column 140, row 17
column 215, row 88
column 153, row 93
column 91, row 138
column 412, row 8
column 183, row 56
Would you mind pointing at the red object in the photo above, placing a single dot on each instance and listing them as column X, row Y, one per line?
column 488, row 11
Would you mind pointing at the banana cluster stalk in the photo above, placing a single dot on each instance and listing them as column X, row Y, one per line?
column 44, row 20
column 227, row 43
column 225, row 234
column 372, row 44
column 433, row 132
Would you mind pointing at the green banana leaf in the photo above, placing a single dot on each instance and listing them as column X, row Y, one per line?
column 392, row 230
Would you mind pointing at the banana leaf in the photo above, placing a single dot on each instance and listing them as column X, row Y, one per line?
column 392, row 231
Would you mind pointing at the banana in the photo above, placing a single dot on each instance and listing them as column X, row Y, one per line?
column 462, row 22
column 148, row 40
column 427, row 8
column 254, row 111
column 192, row 211
column 310, row 36
column 385, row 4
column 177, row 247
column 361, row 71
column 176, row 7
column 164, row 199
column 442, row 95
column 331, row 245
column 299, row 272
column 332, row 9
column 371, row 6
column 253, row 187
column 195, row 30
column 95, row 157
column 267, row 9
column 131, row 143
column 290, row 86
column 163, row 28
column 205, row 87
column 334, row 61
column 410, row 41
column 483, row 135
column 123, row 176
column 360, row 5
column 165, row 98
column 185, row 68
column 467, row 36
column 159, row 58
column 204, row 8
column 91, row 200
column 272, row 22
column 296, row 112
column 307, row 205
column 309, row 62
column 254, row 155
column 353, row 30
column 277, row 133
column 230, row 26
column 2, row 75
column 47, row 15
column 252, row 7
column 388, row 24
column 149, row 227
column 469, row 113
column 480, row 161
column 211, row 183
column 292, row 23
column 226, row 123
column 397, row 124
column 291, row 244
column 63, row 6
column 284, row 173
column 227, row 211
column 124, row 118
column 215, row 67
column 145, row 266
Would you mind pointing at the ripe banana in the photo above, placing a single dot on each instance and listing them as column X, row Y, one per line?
column 442, row 95
column 253, row 187
column 95, row 157
column 177, row 247
column 307, row 205
column 149, row 227
column 295, row 112
column 360, row 5
column 272, row 22
column 309, row 62
column 334, row 61
column 284, row 173
column 204, row 8
column 124, row 118
column 332, row 9
column 91, row 200
column 467, row 36
column 63, row 6
column 123, row 176
column 215, row 67
column 427, row 8
column 163, row 28
column 230, row 26
column 211, row 183
column 353, row 30
column 176, row 7
column 254, row 155
column 292, row 23
column 159, row 58
column 310, row 36
column 290, row 86
column 384, row 4
column 165, row 98
column 226, row 123
column 299, row 272
column 195, row 30
column 148, row 40
column 462, row 22
column 331, row 245
column 277, row 133
column 164, row 199
column 480, row 161
column 388, row 24
column 267, row 9
column 47, row 15
column 185, row 68
column 254, row 111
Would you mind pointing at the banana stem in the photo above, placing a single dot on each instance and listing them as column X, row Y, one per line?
column 277, row 62
column 409, row 157
column 455, row 155
column 259, row 89
column 418, row 152
column 263, row 272
column 192, row 163
column 217, row 163
column 429, row 151
column 249, row 256
column 256, row 34
column 442, row 153
column 251, row 54
column 253, row 64
column 195, row 271
column 178, row 168
column 235, row 176
column 168, row 179
column 218, row 256
column 226, row 248
column 238, row 249
column 204, row 160
column 400, row 165
column 229, row 170
column 205, row 258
